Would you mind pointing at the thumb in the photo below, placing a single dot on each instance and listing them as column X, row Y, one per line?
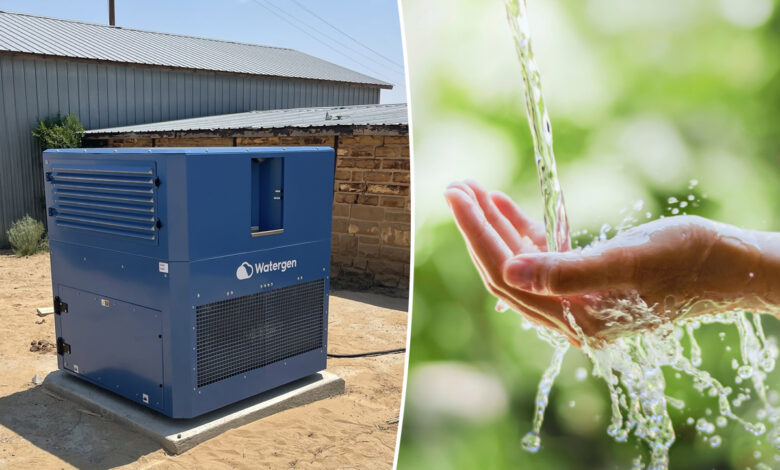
column 566, row 273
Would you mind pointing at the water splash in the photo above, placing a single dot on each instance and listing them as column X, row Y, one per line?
column 631, row 366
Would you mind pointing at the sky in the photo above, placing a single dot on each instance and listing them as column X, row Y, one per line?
column 283, row 23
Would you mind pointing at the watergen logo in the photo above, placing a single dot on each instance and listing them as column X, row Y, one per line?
column 246, row 270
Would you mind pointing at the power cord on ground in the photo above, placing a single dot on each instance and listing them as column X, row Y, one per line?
column 370, row 353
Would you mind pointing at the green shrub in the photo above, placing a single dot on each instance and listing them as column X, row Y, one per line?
column 26, row 236
column 59, row 132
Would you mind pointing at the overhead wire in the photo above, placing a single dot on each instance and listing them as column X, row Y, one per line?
column 293, row 17
column 344, row 33
column 270, row 8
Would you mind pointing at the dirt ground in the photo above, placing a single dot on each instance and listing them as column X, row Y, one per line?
column 355, row 430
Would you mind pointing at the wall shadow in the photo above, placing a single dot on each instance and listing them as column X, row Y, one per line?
column 69, row 432
column 373, row 298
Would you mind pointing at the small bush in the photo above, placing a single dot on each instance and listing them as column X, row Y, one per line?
column 59, row 132
column 26, row 236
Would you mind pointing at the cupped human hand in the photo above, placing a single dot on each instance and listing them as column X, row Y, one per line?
column 659, row 271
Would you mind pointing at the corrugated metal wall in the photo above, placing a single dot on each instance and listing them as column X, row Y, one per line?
column 107, row 95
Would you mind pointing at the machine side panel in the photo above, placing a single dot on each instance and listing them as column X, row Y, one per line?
column 113, row 344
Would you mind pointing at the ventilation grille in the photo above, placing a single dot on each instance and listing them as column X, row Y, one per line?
column 241, row 334
column 111, row 199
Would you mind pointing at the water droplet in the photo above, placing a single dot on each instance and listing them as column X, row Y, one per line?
column 757, row 454
column 604, row 230
column 751, row 275
column 672, row 200
column 745, row 372
column 689, row 420
column 675, row 211
column 691, row 197
column 581, row 374
column 683, row 204
column 722, row 335
column 774, row 437
column 532, row 442
column 756, row 429
column 715, row 441
column 704, row 426
column 721, row 421
column 571, row 404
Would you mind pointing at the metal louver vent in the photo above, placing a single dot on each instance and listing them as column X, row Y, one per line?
column 245, row 333
column 107, row 198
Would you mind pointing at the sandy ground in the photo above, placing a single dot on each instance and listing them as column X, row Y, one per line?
column 38, row 430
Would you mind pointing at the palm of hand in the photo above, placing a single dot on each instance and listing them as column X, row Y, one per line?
column 636, row 280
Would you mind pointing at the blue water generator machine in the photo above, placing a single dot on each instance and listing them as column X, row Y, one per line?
column 188, row 279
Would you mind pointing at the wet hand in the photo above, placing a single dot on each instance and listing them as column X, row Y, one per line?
column 659, row 271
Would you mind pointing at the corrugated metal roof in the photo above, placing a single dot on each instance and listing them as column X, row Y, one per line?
column 365, row 115
column 66, row 38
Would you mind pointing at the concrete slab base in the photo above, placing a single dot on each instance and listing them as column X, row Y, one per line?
column 179, row 435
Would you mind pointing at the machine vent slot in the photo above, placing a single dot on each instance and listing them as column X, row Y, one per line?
column 110, row 199
column 245, row 333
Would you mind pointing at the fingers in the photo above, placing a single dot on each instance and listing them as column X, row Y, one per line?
column 514, row 240
column 488, row 252
column 571, row 273
column 482, row 239
column 522, row 223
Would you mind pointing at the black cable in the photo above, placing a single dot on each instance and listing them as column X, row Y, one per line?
column 370, row 353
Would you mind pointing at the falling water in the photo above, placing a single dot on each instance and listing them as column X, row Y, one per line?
column 555, row 221
column 541, row 130
column 632, row 365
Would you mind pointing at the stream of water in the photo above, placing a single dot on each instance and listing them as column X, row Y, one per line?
column 632, row 366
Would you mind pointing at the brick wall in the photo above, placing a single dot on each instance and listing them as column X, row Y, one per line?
column 371, row 202
column 371, row 211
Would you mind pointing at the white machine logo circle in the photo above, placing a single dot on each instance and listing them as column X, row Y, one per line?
column 244, row 271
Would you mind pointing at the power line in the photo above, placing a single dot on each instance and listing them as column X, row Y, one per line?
column 268, row 7
column 262, row 5
column 398, row 70
column 346, row 34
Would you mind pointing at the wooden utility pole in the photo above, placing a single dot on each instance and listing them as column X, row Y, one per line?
column 111, row 20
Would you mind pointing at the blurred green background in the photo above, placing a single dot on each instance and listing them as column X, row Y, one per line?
column 644, row 96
